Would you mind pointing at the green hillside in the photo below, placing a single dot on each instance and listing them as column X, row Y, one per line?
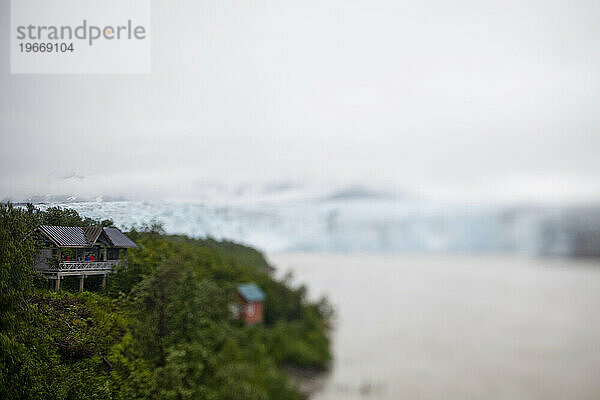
column 161, row 329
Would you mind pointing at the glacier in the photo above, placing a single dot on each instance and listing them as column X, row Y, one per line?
column 358, row 223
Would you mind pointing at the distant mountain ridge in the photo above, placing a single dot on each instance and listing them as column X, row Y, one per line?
column 367, row 222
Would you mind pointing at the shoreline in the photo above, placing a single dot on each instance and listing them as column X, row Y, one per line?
column 308, row 380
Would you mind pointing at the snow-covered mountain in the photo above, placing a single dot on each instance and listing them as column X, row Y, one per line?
column 359, row 220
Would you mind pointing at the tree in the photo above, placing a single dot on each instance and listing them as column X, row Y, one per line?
column 16, row 257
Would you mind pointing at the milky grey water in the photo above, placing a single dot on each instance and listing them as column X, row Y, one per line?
column 429, row 327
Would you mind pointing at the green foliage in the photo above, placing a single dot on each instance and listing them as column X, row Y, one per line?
column 236, row 253
column 160, row 330
column 59, row 347
column 16, row 258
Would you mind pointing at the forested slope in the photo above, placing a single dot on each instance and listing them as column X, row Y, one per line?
column 160, row 330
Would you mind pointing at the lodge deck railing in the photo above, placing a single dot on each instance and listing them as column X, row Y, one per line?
column 87, row 265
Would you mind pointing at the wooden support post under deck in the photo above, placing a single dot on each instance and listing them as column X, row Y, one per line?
column 103, row 280
column 81, row 283
column 57, row 284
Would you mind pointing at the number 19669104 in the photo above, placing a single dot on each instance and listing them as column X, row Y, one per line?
column 46, row 47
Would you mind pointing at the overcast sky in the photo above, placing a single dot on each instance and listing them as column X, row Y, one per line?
column 463, row 99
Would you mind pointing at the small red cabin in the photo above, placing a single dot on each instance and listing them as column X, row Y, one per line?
column 252, row 299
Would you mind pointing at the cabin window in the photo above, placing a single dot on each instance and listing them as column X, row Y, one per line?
column 250, row 310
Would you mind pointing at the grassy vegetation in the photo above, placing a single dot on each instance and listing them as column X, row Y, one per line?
column 161, row 329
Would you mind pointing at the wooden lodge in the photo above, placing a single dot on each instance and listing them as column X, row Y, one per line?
column 79, row 251
column 252, row 299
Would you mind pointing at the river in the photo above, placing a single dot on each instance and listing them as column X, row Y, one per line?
column 456, row 327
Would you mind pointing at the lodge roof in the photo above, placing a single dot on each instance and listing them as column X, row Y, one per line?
column 251, row 292
column 92, row 233
column 65, row 236
column 118, row 238
column 76, row 236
